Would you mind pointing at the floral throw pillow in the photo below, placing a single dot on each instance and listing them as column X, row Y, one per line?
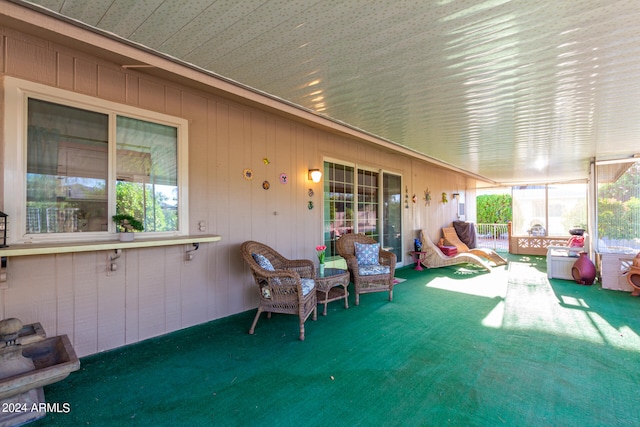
column 263, row 262
column 367, row 254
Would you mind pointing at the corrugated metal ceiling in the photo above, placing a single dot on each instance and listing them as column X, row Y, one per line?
column 515, row 91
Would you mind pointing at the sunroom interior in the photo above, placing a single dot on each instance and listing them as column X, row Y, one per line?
column 215, row 113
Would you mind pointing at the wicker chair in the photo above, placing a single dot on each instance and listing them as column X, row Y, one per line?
column 289, row 288
column 433, row 257
column 365, row 283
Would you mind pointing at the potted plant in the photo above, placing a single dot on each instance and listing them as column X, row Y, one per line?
column 126, row 224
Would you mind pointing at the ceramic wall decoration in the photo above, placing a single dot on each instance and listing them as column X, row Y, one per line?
column 427, row 197
column 266, row 185
column 248, row 174
column 284, row 178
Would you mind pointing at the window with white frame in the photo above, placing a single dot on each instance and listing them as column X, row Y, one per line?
column 79, row 160
column 618, row 206
column 549, row 210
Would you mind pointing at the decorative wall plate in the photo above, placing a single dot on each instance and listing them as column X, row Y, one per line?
column 283, row 178
column 248, row 174
column 311, row 193
column 266, row 185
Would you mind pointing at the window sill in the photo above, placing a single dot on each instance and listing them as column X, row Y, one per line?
column 62, row 248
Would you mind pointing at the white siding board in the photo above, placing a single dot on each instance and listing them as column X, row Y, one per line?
column 132, row 90
column 30, row 59
column 31, row 293
column 85, row 297
column 111, row 84
column 173, row 305
column 211, row 195
column 111, row 307
column 85, row 77
column 130, row 271
column 2, row 49
column 151, row 290
column 283, row 228
column 151, row 95
column 260, row 212
column 224, row 176
column 240, row 206
column 65, row 71
column 194, row 300
column 65, row 307
column 195, row 108
column 173, row 102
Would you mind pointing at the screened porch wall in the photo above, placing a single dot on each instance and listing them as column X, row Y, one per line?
column 155, row 291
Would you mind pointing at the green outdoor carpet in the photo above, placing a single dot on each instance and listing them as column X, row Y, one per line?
column 456, row 347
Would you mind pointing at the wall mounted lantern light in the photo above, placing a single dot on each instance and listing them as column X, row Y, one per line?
column 315, row 175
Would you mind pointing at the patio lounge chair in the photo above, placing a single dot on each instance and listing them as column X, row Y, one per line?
column 451, row 239
column 374, row 275
column 285, row 286
column 432, row 256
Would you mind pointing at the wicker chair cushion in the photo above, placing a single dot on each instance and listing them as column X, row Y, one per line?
column 307, row 285
column 263, row 262
column 371, row 270
column 367, row 254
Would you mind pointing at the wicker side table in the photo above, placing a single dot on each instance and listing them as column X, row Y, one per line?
column 332, row 286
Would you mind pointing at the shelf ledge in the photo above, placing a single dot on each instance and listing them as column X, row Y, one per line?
column 25, row 249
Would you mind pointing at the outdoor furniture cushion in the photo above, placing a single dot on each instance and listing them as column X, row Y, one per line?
column 263, row 262
column 576, row 242
column 467, row 232
column 369, row 270
column 449, row 250
column 307, row 285
column 367, row 254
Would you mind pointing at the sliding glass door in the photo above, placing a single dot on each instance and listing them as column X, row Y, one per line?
column 392, row 214
column 358, row 200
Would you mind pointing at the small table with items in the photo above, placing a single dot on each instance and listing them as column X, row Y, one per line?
column 331, row 285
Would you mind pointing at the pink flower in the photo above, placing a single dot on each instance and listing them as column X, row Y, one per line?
column 320, row 251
